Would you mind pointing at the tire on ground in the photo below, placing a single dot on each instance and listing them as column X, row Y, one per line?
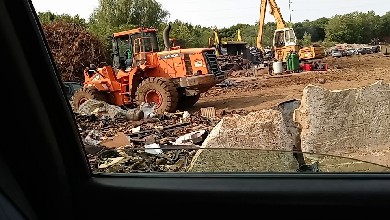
column 187, row 101
column 85, row 94
column 164, row 87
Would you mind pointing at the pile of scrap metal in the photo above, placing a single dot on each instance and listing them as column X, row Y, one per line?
column 234, row 63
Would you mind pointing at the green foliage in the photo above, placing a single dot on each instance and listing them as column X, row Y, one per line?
column 49, row 17
column 356, row 27
column 268, row 35
column 384, row 25
column 117, row 15
column 316, row 29
column 327, row 43
column 306, row 40
column 249, row 33
column 230, row 34
column 193, row 36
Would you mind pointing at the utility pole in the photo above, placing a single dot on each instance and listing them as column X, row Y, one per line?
column 289, row 8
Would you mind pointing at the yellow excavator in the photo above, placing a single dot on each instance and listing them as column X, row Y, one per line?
column 284, row 40
column 215, row 43
column 239, row 37
column 236, row 47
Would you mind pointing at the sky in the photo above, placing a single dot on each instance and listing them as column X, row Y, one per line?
column 225, row 13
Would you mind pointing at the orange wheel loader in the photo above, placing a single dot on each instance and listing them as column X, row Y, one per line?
column 172, row 79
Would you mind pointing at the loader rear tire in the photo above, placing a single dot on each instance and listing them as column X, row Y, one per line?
column 187, row 101
column 159, row 90
column 85, row 94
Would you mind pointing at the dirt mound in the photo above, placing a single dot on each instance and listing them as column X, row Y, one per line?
column 358, row 61
column 73, row 49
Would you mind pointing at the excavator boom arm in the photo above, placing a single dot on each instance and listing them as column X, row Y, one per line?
column 263, row 7
column 275, row 12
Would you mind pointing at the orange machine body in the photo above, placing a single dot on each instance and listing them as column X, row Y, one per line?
column 193, row 71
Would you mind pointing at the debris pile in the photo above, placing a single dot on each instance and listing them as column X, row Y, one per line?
column 241, row 73
column 73, row 49
column 233, row 86
column 233, row 63
column 158, row 143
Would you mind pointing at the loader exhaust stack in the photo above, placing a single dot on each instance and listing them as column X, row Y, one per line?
column 166, row 37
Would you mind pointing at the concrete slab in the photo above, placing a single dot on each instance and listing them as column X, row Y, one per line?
column 261, row 130
column 343, row 122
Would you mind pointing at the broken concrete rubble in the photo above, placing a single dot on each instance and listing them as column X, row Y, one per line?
column 93, row 138
column 287, row 109
column 96, row 107
column 261, row 130
column 162, row 131
column 227, row 83
column 148, row 110
column 341, row 122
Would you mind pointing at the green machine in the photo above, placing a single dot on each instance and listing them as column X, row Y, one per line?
column 293, row 62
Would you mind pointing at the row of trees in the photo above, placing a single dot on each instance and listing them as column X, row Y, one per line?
column 355, row 27
column 115, row 15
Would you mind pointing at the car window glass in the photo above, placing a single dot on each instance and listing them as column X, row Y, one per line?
column 174, row 86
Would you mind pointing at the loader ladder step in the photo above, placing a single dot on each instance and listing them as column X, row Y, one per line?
column 213, row 64
column 188, row 64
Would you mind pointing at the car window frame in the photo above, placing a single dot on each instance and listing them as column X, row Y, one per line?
column 67, row 150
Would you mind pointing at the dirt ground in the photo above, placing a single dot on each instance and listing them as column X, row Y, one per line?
column 244, row 94
column 255, row 93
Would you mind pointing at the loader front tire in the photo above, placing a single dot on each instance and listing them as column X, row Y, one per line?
column 160, row 91
column 85, row 94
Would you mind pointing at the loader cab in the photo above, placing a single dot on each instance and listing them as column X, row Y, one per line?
column 284, row 42
column 131, row 48
column 284, row 37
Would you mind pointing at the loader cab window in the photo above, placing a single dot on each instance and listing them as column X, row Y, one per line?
column 279, row 39
column 124, row 49
column 123, row 45
column 290, row 37
column 145, row 42
column 284, row 37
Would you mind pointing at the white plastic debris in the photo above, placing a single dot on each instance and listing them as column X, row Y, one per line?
column 153, row 149
column 136, row 130
column 190, row 138
column 93, row 138
column 186, row 114
column 148, row 110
